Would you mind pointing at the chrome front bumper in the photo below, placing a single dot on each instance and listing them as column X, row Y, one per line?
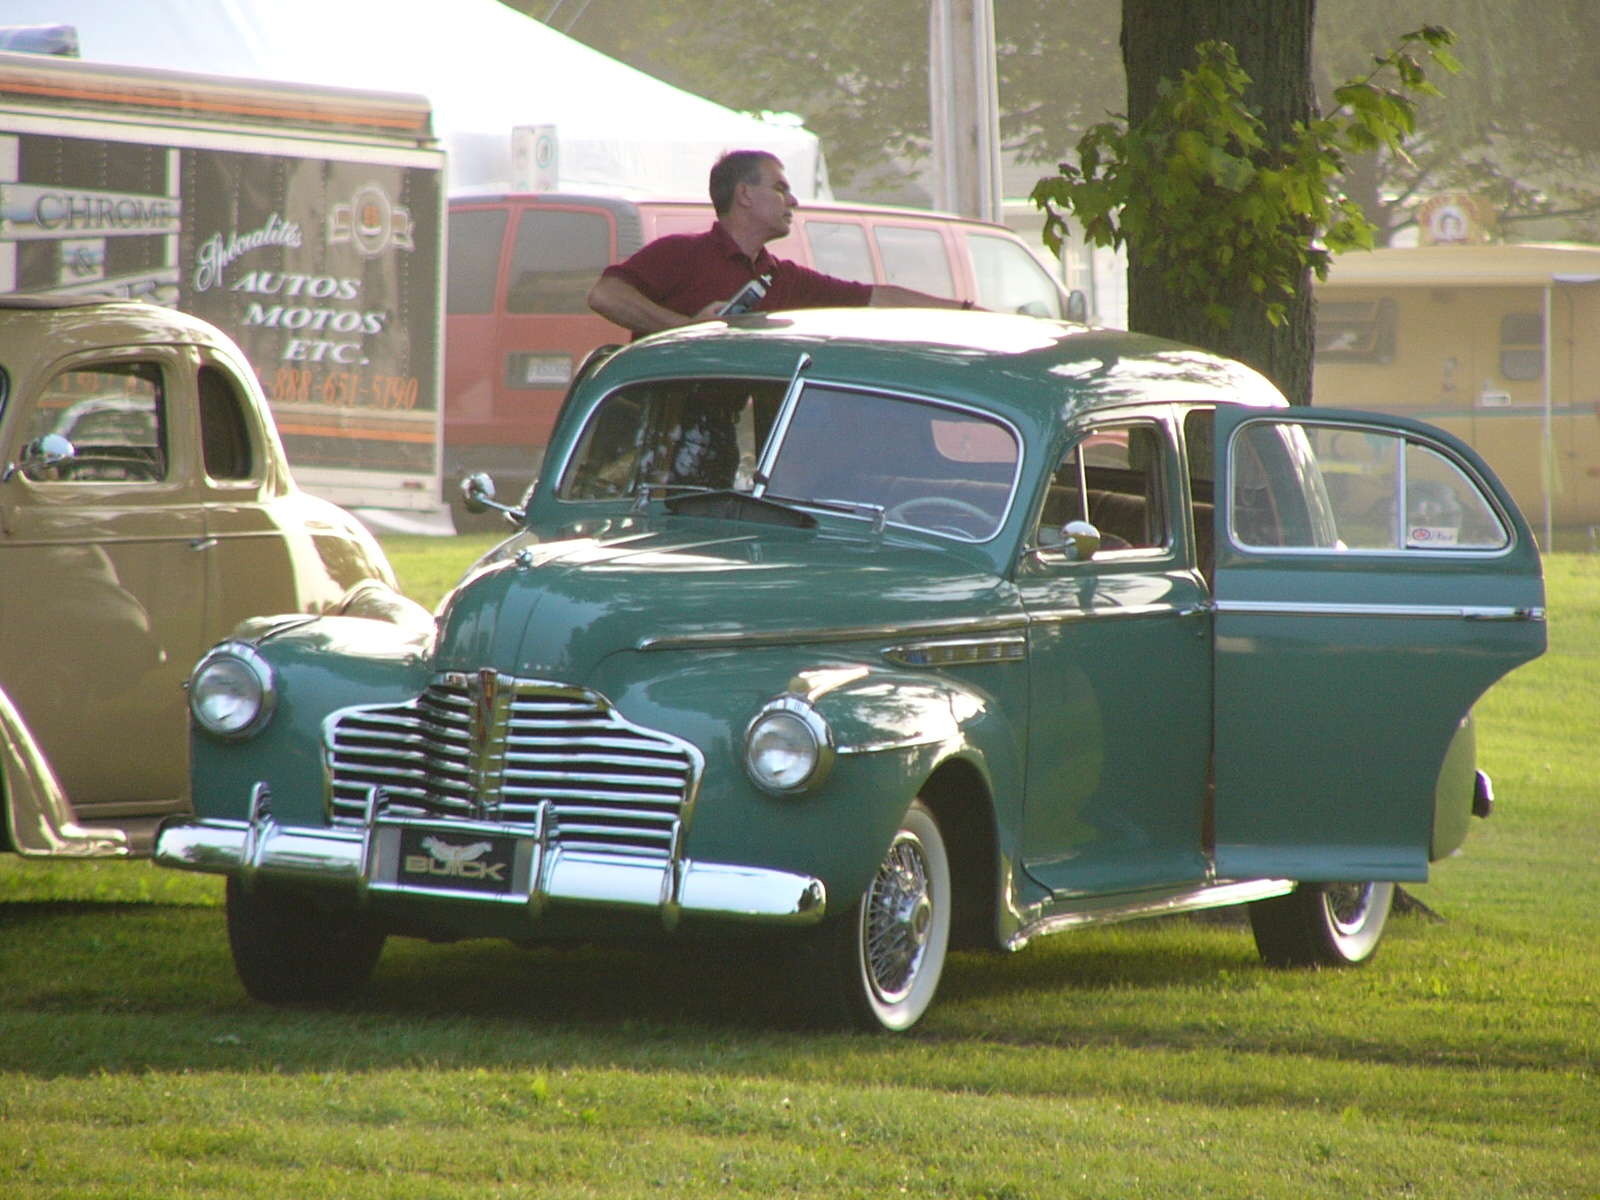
column 369, row 861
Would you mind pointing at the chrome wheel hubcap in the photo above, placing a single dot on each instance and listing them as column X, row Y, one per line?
column 898, row 919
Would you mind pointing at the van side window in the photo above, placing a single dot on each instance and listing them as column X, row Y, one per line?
column 475, row 237
column 915, row 258
column 840, row 249
column 1010, row 279
column 558, row 256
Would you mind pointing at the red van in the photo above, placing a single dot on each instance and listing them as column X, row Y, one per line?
column 520, row 268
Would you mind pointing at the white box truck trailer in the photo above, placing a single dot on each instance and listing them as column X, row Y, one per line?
column 307, row 222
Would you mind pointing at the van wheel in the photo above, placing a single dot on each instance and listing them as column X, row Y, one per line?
column 1322, row 924
column 289, row 949
column 882, row 961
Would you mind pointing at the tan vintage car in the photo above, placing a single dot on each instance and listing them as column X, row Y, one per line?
column 146, row 509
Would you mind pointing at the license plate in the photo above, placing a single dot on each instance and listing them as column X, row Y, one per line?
column 546, row 370
column 465, row 862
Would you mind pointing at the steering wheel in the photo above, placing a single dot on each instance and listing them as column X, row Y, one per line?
column 958, row 511
column 107, row 468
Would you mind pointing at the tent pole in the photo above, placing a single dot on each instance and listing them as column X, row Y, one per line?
column 1548, row 471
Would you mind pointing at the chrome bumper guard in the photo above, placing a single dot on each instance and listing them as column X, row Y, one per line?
column 533, row 873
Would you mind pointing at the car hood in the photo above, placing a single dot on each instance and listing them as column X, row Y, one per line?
column 557, row 608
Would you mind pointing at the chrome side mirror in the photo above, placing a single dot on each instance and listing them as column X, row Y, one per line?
column 1081, row 540
column 39, row 455
column 477, row 496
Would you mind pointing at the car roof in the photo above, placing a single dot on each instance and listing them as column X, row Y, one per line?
column 49, row 326
column 1025, row 368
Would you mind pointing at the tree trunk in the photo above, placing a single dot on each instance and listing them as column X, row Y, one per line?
column 1273, row 41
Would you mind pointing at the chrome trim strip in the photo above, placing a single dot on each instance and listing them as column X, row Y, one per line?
column 780, row 427
column 1464, row 612
column 1056, row 616
column 1011, row 622
column 1059, row 917
column 959, row 652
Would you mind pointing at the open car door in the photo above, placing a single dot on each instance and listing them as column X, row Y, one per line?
column 1373, row 580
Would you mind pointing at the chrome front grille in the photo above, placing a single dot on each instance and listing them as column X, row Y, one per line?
column 483, row 746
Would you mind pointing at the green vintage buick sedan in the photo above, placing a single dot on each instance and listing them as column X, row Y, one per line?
column 881, row 633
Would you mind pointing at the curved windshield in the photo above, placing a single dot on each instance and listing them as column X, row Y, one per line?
column 674, row 435
column 922, row 465
column 886, row 459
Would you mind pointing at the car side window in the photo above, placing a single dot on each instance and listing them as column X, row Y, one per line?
column 1115, row 478
column 1306, row 486
column 224, row 430
column 1199, row 439
column 115, row 417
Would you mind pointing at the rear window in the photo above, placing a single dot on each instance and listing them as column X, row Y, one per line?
column 558, row 256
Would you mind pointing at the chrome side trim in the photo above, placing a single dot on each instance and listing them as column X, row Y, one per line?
column 1463, row 612
column 1058, row 616
column 1010, row 623
column 958, row 652
column 1054, row 918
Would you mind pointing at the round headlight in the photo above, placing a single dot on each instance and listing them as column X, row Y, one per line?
column 231, row 692
column 788, row 747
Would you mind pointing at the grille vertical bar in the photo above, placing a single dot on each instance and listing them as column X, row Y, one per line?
column 492, row 747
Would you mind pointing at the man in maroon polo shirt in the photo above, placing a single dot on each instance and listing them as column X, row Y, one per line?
column 687, row 277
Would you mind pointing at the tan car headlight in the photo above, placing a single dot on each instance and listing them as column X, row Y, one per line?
column 788, row 747
column 231, row 692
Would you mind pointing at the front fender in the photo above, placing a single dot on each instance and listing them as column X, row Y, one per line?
column 892, row 728
column 319, row 665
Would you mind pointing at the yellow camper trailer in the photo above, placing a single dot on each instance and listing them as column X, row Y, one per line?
column 1498, row 344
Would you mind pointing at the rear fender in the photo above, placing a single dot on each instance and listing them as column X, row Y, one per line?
column 39, row 818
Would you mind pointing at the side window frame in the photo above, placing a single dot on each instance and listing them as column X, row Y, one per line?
column 1326, row 507
column 226, row 427
column 163, row 454
column 1158, row 498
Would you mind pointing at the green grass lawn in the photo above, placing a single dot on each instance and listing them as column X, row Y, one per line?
column 1154, row 1059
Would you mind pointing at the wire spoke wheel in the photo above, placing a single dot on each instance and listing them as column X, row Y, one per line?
column 897, row 920
column 1322, row 924
column 894, row 946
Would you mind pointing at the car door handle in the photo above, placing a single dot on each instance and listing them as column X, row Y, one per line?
column 202, row 543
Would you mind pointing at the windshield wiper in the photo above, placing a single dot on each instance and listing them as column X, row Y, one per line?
column 648, row 490
column 739, row 506
column 854, row 508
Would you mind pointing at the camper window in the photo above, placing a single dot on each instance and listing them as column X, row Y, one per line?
column 1521, row 346
column 1356, row 331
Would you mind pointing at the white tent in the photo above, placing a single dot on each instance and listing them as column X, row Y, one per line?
column 484, row 67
